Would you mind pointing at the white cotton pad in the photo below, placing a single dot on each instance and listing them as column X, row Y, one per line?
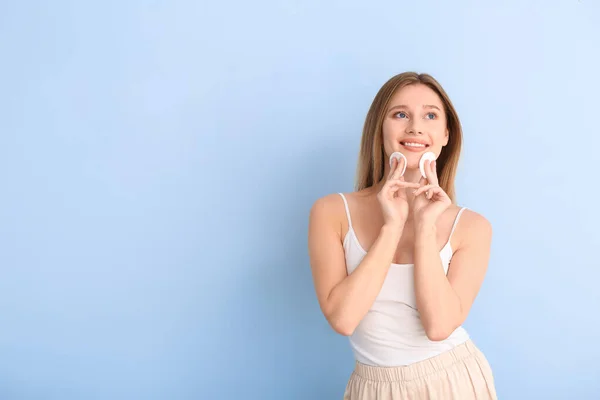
column 397, row 155
column 427, row 156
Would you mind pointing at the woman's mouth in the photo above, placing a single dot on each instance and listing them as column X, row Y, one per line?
column 414, row 146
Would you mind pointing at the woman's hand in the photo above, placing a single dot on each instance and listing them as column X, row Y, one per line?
column 430, row 199
column 392, row 197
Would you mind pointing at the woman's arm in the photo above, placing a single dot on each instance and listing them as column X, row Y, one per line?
column 345, row 299
column 444, row 300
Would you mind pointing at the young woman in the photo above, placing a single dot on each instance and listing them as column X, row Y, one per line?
column 397, row 264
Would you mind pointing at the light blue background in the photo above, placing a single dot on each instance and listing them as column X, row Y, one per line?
column 158, row 161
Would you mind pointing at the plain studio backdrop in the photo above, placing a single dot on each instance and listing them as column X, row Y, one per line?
column 159, row 160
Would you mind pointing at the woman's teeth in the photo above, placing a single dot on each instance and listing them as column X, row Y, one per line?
column 413, row 144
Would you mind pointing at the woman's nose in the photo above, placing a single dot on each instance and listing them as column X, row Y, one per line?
column 414, row 128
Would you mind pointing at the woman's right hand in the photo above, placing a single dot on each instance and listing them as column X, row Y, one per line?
column 392, row 197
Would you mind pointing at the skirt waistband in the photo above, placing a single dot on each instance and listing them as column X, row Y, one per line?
column 418, row 369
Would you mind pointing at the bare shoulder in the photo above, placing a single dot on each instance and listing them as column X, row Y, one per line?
column 327, row 206
column 332, row 207
column 473, row 227
column 327, row 202
column 329, row 211
column 476, row 222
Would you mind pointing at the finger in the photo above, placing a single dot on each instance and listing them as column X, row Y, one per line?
column 434, row 191
column 440, row 194
column 397, row 187
column 433, row 178
column 424, row 189
column 434, row 172
column 399, row 167
column 393, row 168
column 400, row 182
column 397, row 190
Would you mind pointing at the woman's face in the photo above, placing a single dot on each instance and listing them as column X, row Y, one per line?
column 415, row 123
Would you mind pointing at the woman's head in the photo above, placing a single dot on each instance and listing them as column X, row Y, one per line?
column 411, row 114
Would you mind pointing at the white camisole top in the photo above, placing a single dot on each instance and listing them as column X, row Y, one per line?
column 391, row 333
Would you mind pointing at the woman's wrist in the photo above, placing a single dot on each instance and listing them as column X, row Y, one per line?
column 425, row 230
column 393, row 229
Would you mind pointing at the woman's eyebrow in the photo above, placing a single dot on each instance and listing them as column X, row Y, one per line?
column 404, row 106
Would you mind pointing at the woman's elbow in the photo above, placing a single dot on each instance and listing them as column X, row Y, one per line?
column 438, row 333
column 341, row 325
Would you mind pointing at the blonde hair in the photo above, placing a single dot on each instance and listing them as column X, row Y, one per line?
column 372, row 157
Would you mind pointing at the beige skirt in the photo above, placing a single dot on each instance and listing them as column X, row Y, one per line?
column 462, row 373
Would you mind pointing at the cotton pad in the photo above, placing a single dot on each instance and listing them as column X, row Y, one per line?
column 397, row 155
column 427, row 156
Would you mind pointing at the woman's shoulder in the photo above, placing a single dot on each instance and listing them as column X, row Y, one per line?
column 338, row 198
column 332, row 206
column 329, row 207
column 328, row 201
column 471, row 215
column 328, row 212
column 472, row 224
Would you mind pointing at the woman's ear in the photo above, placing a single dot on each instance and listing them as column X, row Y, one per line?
column 446, row 137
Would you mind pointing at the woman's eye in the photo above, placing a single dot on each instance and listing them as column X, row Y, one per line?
column 431, row 116
column 401, row 114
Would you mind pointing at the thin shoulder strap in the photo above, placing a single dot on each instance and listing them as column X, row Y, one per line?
column 456, row 220
column 347, row 211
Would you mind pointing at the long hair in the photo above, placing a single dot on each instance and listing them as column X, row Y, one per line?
column 372, row 157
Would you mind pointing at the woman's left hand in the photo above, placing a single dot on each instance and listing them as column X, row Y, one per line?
column 430, row 199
